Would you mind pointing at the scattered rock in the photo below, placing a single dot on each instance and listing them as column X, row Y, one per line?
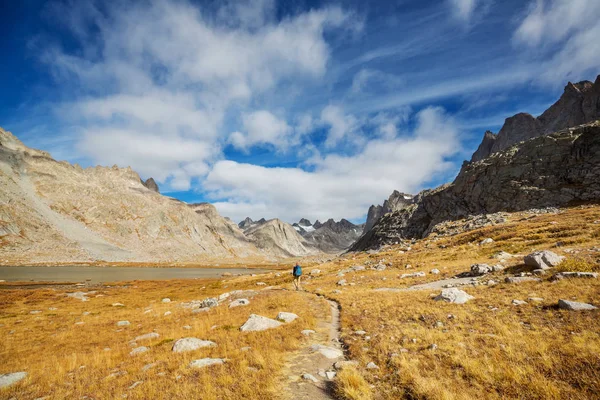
column 413, row 275
column 148, row 366
column 79, row 295
column 286, row 316
column 341, row 282
column 118, row 305
column 187, row 327
column 360, row 333
column 543, row 259
column 574, row 305
column 518, row 302
column 166, row 300
column 539, row 272
column 123, row 323
column 521, row 279
column 147, row 336
column 503, row 255
column 210, row 302
column 138, row 350
column 435, row 271
column 35, row 312
column 315, row 272
column 330, row 375
column 433, row 346
column 205, row 362
column 486, row 241
column 247, row 348
column 372, row 365
column 536, row 299
column 328, row 352
column 454, row 295
column 239, row 302
column 309, row 377
column 260, row 284
column 307, row 332
column 136, row 384
column 563, row 275
column 11, row 378
column 480, row 269
column 259, row 323
column 223, row 296
column 167, row 313
column 191, row 344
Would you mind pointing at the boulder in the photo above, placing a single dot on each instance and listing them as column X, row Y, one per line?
column 259, row 323
column 521, row 279
column 543, row 259
column 286, row 316
column 480, row 269
column 574, row 305
column 239, row 302
column 205, row 362
column 315, row 272
column 486, row 241
column 210, row 302
column 454, row 295
column 435, row 271
column 191, row 344
column 11, row 378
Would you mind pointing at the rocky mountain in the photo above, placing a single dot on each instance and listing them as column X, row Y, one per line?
column 280, row 239
column 558, row 169
column 579, row 104
column 151, row 184
column 53, row 211
column 331, row 236
column 395, row 202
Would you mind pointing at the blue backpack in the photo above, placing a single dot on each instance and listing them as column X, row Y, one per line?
column 297, row 270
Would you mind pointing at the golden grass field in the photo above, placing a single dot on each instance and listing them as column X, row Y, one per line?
column 486, row 348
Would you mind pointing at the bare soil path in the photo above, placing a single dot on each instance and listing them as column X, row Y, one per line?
column 314, row 358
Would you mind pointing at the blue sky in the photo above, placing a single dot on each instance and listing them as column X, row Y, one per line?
column 285, row 109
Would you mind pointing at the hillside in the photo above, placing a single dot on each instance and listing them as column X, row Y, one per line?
column 280, row 239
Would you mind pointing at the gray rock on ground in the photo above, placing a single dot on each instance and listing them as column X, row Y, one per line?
column 239, row 302
column 138, row 350
column 327, row 352
column 309, row 377
column 563, row 275
column 11, row 378
column 191, row 344
column 521, row 279
column 259, row 323
column 307, row 332
column 206, row 362
column 480, row 269
column 286, row 316
column 543, row 259
column 454, row 295
column 123, row 323
column 147, row 336
column 574, row 305
column 210, row 302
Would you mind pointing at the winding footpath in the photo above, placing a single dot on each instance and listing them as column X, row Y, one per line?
column 316, row 357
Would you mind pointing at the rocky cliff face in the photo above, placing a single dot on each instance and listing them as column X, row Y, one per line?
column 331, row 236
column 551, row 170
column 579, row 104
column 151, row 184
column 280, row 238
column 57, row 212
column 397, row 201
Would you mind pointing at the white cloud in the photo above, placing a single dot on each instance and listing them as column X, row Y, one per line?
column 262, row 127
column 564, row 36
column 341, row 126
column 338, row 186
column 463, row 9
column 150, row 78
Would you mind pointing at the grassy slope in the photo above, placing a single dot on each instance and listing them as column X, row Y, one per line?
column 490, row 349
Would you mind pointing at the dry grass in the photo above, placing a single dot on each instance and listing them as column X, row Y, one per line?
column 489, row 348
column 65, row 360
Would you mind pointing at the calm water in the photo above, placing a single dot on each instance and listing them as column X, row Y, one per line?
column 113, row 274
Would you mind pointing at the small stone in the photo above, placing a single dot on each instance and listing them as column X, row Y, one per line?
column 433, row 346
column 223, row 296
column 536, row 299
column 247, row 348
column 309, row 377
column 35, row 312
column 372, row 365
column 166, row 300
column 330, row 375
column 123, row 323
column 260, row 284
column 11, row 378
column 147, row 336
column 191, row 344
column 307, row 332
column 435, row 271
column 518, row 302
column 148, row 366
column 239, row 302
column 118, row 305
column 341, row 282
column 486, row 241
column 360, row 333
column 136, row 384
column 315, row 272
column 138, row 350
column 521, row 279
column 286, row 316
column 259, row 323
column 328, row 352
column 187, row 327
column 205, row 362
column 574, row 305
column 167, row 313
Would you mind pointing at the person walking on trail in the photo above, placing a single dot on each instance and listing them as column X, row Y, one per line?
column 297, row 274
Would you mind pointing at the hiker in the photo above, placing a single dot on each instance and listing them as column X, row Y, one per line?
column 297, row 273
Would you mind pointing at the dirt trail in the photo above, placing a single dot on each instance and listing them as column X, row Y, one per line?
column 307, row 360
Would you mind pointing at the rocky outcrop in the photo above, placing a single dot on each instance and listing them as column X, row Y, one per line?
column 397, row 201
column 151, row 184
column 552, row 170
column 334, row 237
column 578, row 105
